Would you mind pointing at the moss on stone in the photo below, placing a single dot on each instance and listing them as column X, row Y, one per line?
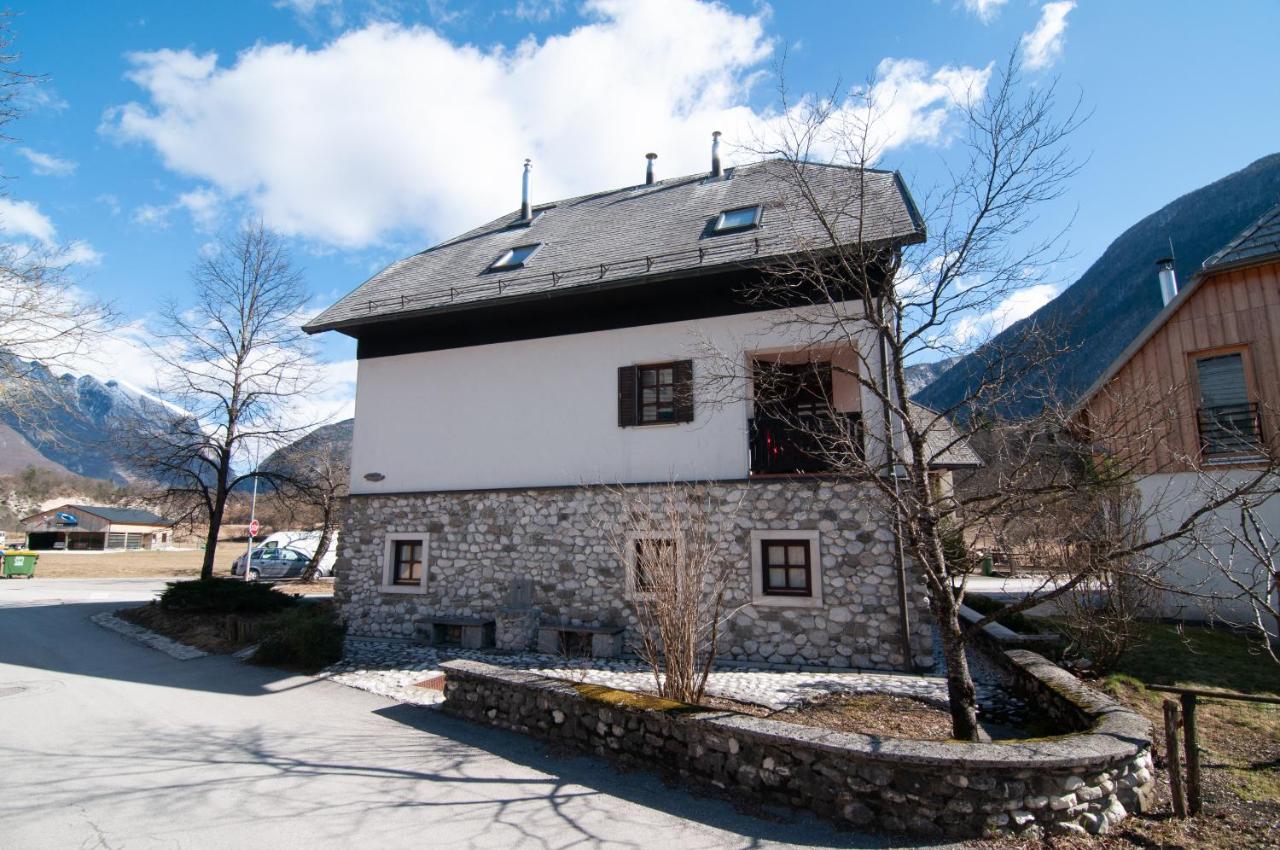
column 632, row 700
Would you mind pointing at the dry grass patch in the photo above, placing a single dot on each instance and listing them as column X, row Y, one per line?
column 135, row 564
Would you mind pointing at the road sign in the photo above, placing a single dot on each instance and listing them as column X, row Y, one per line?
column 253, row 528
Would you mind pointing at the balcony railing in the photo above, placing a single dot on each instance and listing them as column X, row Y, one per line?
column 800, row 445
column 1230, row 429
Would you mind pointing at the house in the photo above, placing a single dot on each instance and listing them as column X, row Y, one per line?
column 511, row 378
column 1193, row 406
column 95, row 527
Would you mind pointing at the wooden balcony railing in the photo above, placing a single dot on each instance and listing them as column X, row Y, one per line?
column 780, row 446
column 1229, row 429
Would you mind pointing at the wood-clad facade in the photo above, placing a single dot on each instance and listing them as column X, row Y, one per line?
column 1151, row 413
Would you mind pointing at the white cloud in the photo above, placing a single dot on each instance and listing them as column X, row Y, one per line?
column 396, row 130
column 23, row 219
column 79, row 253
column 536, row 11
column 48, row 164
column 202, row 203
column 1043, row 45
column 974, row 329
column 985, row 10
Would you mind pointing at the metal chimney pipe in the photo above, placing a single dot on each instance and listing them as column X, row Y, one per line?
column 716, row 170
column 1168, row 279
column 526, row 209
column 648, row 171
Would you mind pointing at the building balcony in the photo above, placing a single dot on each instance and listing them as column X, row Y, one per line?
column 801, row 445
column 1229, row 431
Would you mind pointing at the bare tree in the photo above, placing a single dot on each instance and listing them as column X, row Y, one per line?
column 678, row 576
column 315, row 480
column 235, row 361
column 865, row 308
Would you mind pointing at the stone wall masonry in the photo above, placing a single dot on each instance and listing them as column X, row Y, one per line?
column 1077, row 783
column 482, row 541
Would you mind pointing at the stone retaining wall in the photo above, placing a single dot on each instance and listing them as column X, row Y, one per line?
column 1085, row 781
column 481, row 541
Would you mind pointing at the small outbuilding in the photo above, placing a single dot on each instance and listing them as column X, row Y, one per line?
column 97, row 528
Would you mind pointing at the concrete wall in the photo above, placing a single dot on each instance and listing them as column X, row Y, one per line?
column 1072, row 784
column 1207, row 592
column 544, row 412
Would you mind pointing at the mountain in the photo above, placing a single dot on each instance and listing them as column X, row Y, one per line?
column 1102, row 312
column 327, row 440
column 71, row 424
column 921, row 375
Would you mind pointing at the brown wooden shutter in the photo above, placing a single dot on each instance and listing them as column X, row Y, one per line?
column 626, row 396
column 684, row 390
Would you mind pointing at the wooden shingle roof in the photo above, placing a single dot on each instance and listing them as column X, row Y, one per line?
column 626, row 235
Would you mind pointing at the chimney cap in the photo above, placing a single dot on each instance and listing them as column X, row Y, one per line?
column 1165, row 262
column 715, row 134
column 651, row 156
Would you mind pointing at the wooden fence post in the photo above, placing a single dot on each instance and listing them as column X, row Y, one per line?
column 1192, row 748
column 1172, row 758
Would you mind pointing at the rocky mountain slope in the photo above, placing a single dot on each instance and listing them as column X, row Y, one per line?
column 1097, row 316
column 70, row 426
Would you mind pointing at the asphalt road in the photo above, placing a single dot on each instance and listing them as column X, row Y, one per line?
column 106, row 743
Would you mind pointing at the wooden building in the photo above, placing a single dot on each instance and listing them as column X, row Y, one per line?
column 94, row 527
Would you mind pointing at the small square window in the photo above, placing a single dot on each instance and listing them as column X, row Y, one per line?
column 740, row 218
column 407, row 566
column 515, row 258
column 787, row 568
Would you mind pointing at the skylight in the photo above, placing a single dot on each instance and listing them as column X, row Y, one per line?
column 737, row 219
column 515, row 257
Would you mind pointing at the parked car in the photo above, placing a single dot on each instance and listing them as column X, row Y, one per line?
column 274, row 563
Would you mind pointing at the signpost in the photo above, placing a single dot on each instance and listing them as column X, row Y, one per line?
column 253, row 527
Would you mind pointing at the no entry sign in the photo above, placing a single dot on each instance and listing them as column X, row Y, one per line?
column 253, row 528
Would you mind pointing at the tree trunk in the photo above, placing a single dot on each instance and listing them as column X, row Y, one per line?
column 322, row 548
column 211, row 539
column 961, row 696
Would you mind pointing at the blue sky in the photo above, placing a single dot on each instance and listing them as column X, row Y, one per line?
column 368, row 130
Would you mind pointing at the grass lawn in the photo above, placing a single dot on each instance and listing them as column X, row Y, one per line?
column 1240, row 742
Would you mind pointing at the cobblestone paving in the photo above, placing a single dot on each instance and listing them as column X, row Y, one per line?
column 393, row 669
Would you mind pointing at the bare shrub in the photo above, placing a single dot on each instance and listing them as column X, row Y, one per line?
column 677, row 576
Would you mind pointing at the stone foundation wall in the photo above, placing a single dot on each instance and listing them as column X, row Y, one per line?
column 480, row 542
column 1076, row 783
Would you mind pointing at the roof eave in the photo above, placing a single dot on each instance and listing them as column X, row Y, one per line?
column 915, row 237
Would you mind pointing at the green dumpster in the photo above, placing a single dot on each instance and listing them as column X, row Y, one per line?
column 19, row 562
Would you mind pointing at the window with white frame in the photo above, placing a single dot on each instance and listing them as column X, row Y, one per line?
column 652, row 560
column 404, row 563
column 786, row 568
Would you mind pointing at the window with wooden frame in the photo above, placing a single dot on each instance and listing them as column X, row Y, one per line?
column 655, row 394
column 1227, row 417
column 653, row 560
column 788, row 568
column 406, row 562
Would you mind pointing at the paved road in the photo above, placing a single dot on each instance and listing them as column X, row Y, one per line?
column 104, row 743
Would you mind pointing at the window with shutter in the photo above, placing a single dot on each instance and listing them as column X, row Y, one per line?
column 657, row 394
column 1227, row 419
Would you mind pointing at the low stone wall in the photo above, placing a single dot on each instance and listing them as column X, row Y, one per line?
column 1085, row 781
column 480, row 542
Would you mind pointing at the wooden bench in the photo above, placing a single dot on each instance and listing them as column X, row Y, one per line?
column 580, row 641
column 461, row 632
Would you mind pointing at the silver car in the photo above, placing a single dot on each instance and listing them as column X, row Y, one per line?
column 273, row 563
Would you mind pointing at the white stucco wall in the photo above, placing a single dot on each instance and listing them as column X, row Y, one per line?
column 1168, row 499
column 544, row 412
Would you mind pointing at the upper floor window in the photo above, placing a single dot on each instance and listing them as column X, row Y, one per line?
column 514, row 258
column 1227, row 418
column 740, row 218
column 656, row 394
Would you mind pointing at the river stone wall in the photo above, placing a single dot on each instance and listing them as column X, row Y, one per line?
column 1075, row 783
column 480, row 542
